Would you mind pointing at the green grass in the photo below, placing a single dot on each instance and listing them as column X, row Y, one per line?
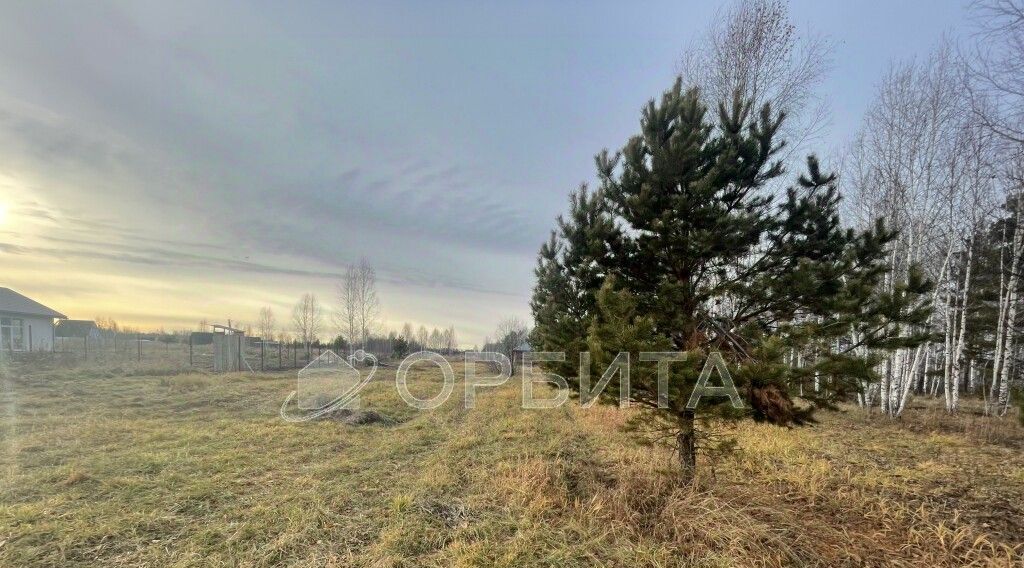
column 104, row 468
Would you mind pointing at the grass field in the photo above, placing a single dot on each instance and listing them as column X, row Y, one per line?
column 133, row 467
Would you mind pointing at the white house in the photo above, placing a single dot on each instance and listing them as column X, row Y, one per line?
column 25, row 324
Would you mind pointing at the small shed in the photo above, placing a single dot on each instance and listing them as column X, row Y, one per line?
column 228, row 348
column 201, row 338
column 78, row 332
column 79, row 329
column 518, row 352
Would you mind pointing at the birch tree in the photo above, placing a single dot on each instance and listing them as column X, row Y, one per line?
column 346, row 318
column 266, row 323
column 451, row 341
column 900, row 169
column 754, row 48
column 423, row 337
column 996, row 67
column 510, row 333
column 358, row 304
column 368, row 303
column 1009, row 295
column 972, row 203
column 307, row 320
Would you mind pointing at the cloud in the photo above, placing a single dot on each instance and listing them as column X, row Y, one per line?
column 155, row 140
column 160, row 256
column 14, row 249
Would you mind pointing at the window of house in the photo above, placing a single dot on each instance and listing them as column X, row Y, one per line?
column 11, row 334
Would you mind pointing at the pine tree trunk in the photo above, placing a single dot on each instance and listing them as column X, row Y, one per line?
column 800, row 364
column 687, row 440
column 863, row 397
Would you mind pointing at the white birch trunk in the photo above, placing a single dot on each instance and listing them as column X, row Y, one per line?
column 929, row 362
column 884, row 387
column 958, row 350
column 1011, row 313
column 912, row 369
column 997, row 353
column 947, row 354
column 1003, row 403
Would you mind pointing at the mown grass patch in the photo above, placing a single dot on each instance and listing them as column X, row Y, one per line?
column 181, row 469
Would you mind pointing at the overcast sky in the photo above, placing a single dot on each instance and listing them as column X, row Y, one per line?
column 161, row 163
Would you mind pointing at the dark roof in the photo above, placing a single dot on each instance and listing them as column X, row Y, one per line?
column 74, row 328
column 12, row 302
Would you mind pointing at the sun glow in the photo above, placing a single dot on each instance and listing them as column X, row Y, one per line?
column 3, row 213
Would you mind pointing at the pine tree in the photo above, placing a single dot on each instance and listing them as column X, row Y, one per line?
column 569, row 272
column 684, row 247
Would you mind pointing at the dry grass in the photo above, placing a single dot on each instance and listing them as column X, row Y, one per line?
column 115, row 469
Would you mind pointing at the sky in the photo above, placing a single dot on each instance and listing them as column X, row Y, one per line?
column 163, row 163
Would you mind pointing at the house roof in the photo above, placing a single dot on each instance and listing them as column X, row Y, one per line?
column 12, row 302
column 74, row 328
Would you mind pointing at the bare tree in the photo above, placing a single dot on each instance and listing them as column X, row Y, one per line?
column 1008, row 293
column 753, row 48
column 511, row 333
column 435, row 339
column 266, row 323
column 451, row 342
column 972, row 203
column 307, row 320
column 368, row 303
column 997, row 67
column 996, row 86
column 905, row 167
column 423, row 337
column 346, row 318
column 358, row 304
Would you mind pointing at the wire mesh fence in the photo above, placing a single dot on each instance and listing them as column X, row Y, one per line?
column 254, row 356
